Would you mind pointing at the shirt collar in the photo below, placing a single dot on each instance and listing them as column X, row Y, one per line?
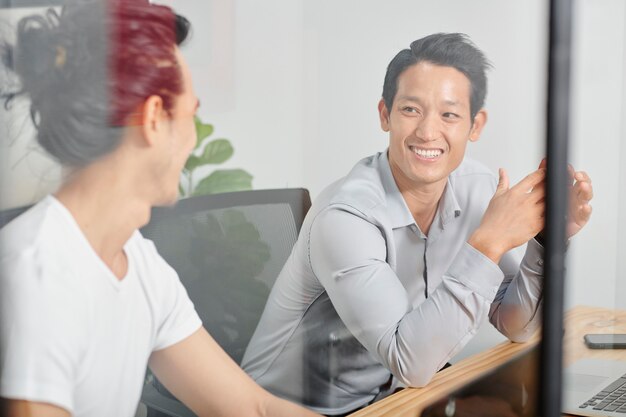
column 449, row 208
column 399, row 212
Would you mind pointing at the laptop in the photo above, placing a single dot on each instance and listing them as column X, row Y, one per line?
column 595, row 387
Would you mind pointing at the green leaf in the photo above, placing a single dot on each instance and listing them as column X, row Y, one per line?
column 193, row 162
column 217, row 151
column 203, row 131
column 223, row 181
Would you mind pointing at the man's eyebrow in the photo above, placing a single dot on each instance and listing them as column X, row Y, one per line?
column 414, row 99
column 447, row 102
column 450, row 102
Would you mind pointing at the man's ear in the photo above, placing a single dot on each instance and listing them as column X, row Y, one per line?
column 152, row 118
column 480, row 120
column 383, row 113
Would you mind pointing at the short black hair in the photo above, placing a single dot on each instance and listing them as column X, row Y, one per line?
column 454, row 50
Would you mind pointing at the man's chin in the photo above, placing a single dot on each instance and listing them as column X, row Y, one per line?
column 167, row 201
column 428, row 178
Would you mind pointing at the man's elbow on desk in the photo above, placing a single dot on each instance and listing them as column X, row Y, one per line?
column 515, row 324
column 417, row 378
column 412, row 373
column 522, row 337
column 414, row 356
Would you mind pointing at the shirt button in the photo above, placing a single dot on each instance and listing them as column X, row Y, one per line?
column 540, row 262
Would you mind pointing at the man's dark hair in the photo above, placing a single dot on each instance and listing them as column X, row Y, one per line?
column 89, row 68
column 454, row 50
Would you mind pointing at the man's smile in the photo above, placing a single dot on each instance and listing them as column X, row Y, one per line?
column 426, row 153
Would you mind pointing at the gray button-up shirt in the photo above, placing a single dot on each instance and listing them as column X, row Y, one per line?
column 366, row 301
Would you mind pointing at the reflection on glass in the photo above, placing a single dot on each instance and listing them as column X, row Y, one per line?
column 596, row 274
column 218, row 256
column 509, row 391
column 338, row 351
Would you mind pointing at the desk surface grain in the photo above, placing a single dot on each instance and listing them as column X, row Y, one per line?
column 578, row 321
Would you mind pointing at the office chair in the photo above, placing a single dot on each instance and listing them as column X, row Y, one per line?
column 227, row 249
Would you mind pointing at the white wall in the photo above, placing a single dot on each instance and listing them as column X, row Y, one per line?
column 598, row 146
column 246, row 61
column 620, row 286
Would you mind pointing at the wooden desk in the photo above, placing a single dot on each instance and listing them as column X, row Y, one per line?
column 578, row 321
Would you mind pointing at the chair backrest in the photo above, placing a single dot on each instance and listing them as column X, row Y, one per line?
column 228, row 250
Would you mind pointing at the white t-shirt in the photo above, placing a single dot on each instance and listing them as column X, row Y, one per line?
column 72, row 334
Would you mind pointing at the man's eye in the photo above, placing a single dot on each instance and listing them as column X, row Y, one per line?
column 449, row 115
column 409, row 109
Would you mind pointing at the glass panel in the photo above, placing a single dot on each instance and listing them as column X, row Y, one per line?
column 596, row 272
column 386, row 293
column 596, row 281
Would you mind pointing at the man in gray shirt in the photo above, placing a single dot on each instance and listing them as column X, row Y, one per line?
column 400, row 262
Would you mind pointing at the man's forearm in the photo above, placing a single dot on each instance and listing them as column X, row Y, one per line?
column 515, row 310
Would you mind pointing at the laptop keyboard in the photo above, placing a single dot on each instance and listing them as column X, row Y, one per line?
column 611, row 398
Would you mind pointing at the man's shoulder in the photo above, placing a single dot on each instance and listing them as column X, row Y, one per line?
column 362, row 189
column 473, row 185
column 150, row 267
column 32, row 229
column 471, row 169
column 139, row 245
column 473, row 175
column 37, row 245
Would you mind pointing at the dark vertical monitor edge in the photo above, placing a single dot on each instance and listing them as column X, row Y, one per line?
column 558, row 103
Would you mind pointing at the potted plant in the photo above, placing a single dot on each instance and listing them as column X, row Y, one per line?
column 213, row 152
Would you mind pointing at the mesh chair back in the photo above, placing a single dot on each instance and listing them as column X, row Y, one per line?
column 228, row 250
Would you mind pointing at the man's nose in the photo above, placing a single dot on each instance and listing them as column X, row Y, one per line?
column 427, row 128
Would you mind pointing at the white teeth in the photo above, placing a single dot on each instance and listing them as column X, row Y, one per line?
column 427, row 153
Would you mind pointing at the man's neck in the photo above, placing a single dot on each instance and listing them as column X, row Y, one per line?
column 423, row 206
column 106, row 211
column 422, row 200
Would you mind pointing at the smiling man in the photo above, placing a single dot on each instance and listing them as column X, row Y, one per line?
column 400, row 262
